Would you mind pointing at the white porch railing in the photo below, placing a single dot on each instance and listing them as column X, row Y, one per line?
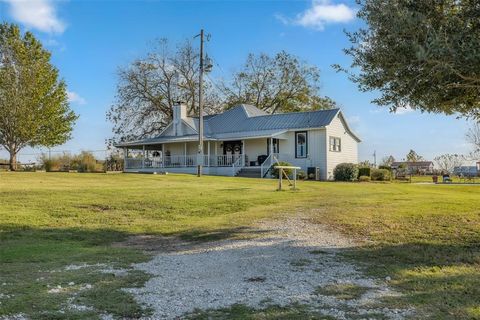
column 237, row 160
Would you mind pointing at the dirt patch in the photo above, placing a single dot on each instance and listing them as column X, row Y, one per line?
column 286, row 265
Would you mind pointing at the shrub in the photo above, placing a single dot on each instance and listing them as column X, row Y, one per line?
column 86, row 162
column 301, row 175
column 345, row 172
column 385, row 167
column 364, row 179
column 275, row 171
column 380, row 175
column 364, row 171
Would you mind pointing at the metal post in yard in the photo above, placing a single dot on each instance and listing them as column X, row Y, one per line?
column 143, row 159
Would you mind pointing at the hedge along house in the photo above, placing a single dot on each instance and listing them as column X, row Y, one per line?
column 246, row 141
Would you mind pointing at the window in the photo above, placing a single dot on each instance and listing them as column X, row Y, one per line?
column 301, row 144
column 276, row 146
column 335, row 144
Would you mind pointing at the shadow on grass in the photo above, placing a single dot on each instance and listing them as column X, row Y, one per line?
column 441, row 279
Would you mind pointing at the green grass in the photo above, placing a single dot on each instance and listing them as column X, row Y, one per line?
column 425, row 237
column 344, row 291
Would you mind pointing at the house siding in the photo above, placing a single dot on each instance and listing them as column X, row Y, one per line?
column 316, row 156
column 349, row 146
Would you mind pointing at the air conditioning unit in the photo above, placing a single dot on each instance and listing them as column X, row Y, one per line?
column 313, row 173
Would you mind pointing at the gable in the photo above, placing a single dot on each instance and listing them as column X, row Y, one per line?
column 184, row 129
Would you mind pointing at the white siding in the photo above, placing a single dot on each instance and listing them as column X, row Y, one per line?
column 316, row 150
column 349, row 146
column 254, row 148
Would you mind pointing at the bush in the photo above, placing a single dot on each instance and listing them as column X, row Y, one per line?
column 274, row 172
column 345, row 172
column 364, row 171
column 385, row 167
column 301, row 175
column 364, row 179
column 380, row 175
column 86, row 162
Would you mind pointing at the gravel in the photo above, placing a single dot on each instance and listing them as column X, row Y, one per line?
column 284, row 266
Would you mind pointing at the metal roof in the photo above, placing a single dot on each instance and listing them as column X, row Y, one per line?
column 245, row 121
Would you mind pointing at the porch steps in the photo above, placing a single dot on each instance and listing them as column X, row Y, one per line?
column 254, row 172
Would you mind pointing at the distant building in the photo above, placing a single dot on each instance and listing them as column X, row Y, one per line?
column 471, row 171
column 414, row 167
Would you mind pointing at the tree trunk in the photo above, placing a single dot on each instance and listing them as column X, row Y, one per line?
column 13, row 161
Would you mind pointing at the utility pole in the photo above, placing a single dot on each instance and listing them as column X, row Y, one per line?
column 375, row 158
column 200, row 111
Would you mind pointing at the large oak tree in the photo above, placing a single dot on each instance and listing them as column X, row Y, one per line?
column 34, row 109
column 276, row 84
column 150, row 86
column 420, row 54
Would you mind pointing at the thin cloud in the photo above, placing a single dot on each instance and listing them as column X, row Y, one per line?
column 75, row 98
column 403, row 110
column 37, row 14
column 321, row 13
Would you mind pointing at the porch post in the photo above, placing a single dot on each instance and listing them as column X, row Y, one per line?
column 185, row 155
column 163, row 155
column 216, row 157
column 208, row 153
column 243, row 153
column 143, row 159
column 124, row 158
column 271, row 147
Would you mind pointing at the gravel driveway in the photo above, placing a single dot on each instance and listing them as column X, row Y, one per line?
column 290, row 263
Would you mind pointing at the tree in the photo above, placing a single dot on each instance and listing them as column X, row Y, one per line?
column 150, row 86
column 387, row 161
column 448, row 162
column 473, row 136
column 412, row 156
column 34, row 109
column 419, row 54
column 282, row 83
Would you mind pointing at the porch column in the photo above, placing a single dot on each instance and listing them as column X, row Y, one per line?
column 216, row 157
column 271, row 147
column 185, row 154
column 243, row 153
column 143, row 159
column 208, row 153
column 163, row 155
column 124, row 158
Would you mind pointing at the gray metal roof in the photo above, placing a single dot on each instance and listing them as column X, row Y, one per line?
column 245, row 121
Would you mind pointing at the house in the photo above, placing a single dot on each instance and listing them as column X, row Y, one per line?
column 246, row 141
column 468, row 171
column 414, row 167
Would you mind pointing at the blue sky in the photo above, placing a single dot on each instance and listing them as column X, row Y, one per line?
column 89, row 40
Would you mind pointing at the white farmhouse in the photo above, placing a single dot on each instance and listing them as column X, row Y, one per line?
column 245, row 141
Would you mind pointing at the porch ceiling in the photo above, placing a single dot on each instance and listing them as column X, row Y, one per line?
column 191, row 138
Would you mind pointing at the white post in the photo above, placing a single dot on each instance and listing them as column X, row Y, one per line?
column 216, row 157
column 208, row 153
column 124, row 158
column 143, row 159
column 243, row 153
column 271, row 146
column 185, row 155
column 163, row 155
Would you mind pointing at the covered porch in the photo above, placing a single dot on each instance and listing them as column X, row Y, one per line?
column 225, row 157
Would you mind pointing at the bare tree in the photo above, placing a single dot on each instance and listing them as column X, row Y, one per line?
column 473, row 136
column 448, row 162
column 282, row 83
column 149, row 87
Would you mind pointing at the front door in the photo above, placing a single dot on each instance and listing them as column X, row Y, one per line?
column 232, row 148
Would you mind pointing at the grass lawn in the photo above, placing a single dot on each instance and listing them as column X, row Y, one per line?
column 56, row 231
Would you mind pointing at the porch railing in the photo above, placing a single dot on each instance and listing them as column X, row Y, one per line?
column 185, row 161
